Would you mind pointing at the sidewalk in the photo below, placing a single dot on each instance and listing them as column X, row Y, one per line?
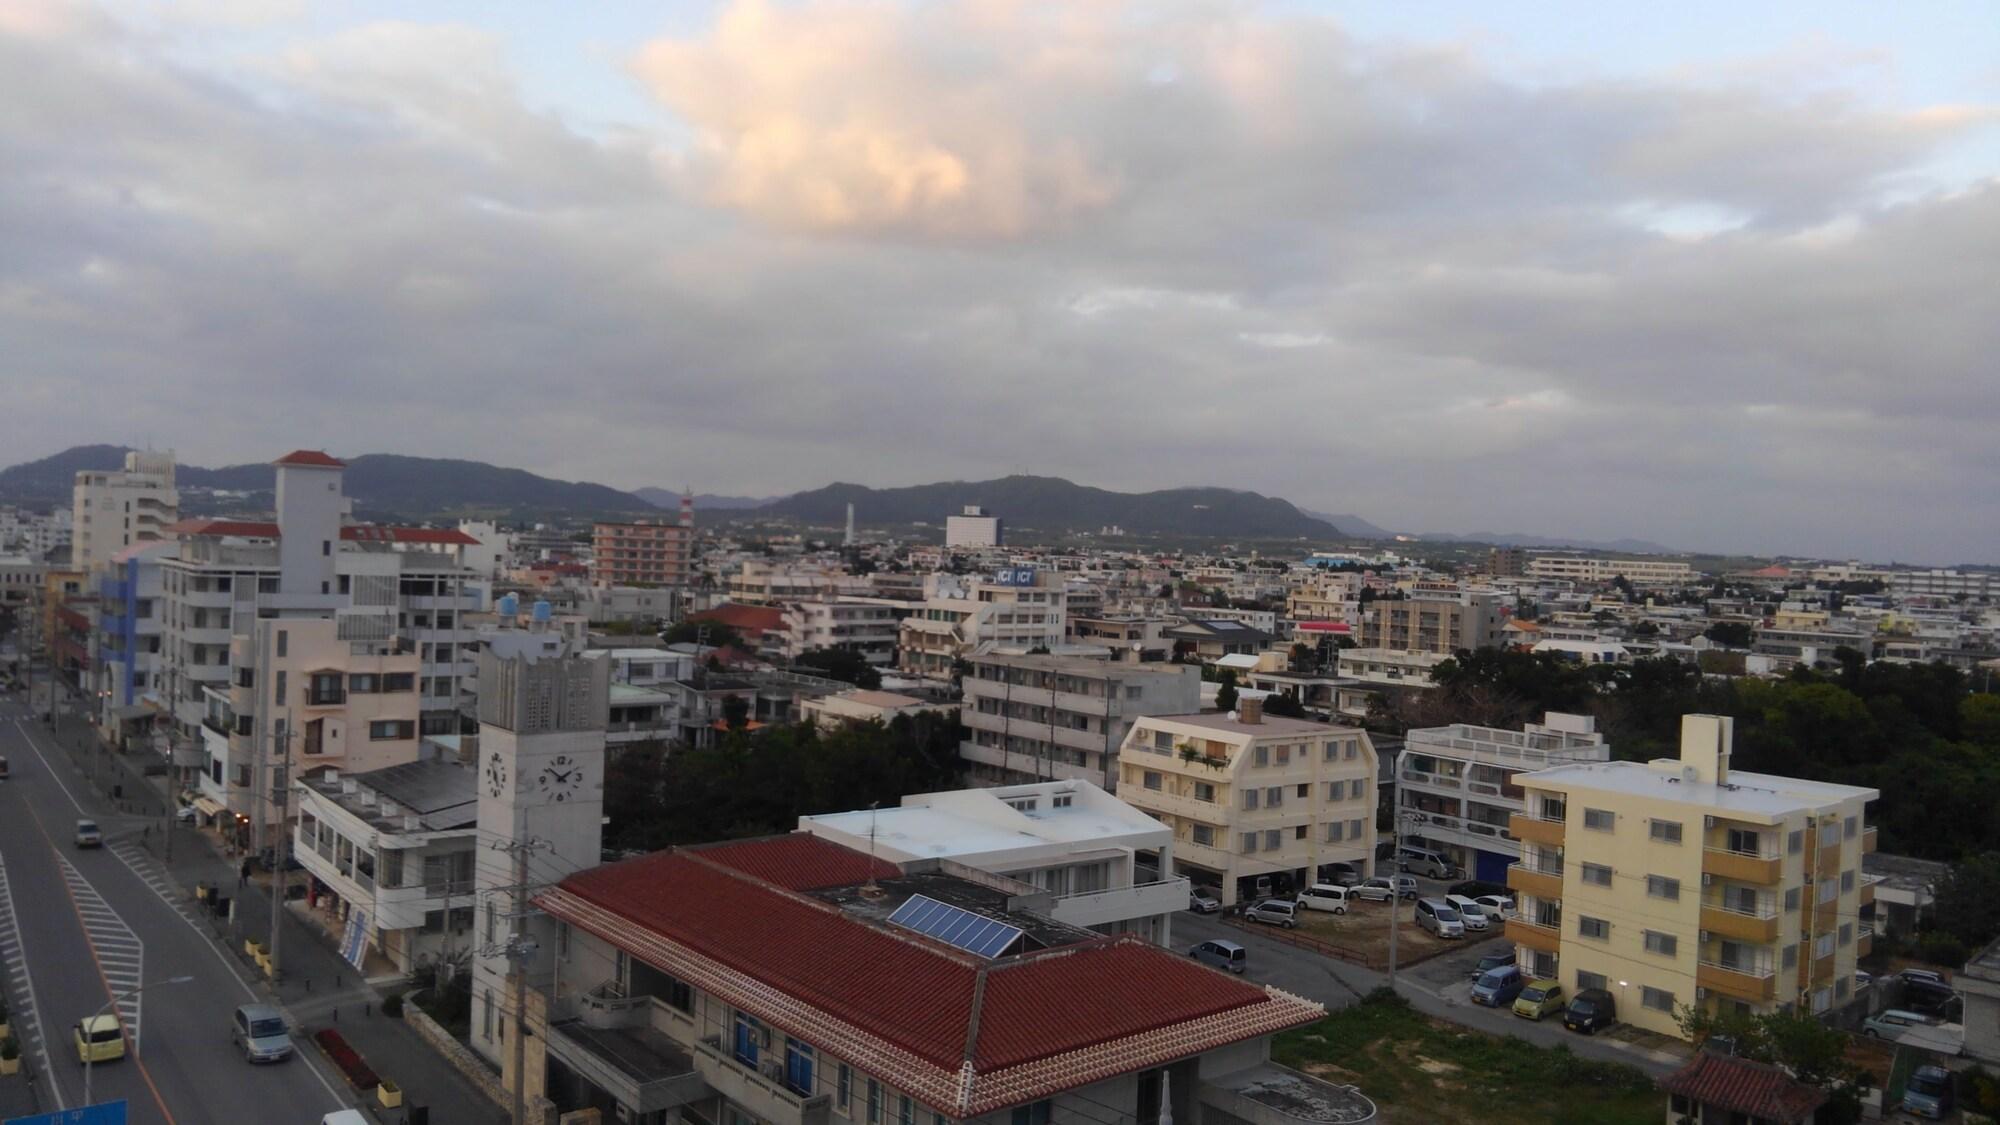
column 316, row 988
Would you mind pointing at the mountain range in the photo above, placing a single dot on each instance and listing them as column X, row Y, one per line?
column 703, row 501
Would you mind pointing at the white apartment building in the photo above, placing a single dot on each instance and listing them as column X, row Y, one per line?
column 1651, row 574
column 645, row 694
column 972, row 529
column 1458, row 790
column 961, row 617
column 763, row 583
column 1030, row 718
column 110, row 511
column 1385, row 667
column 1257, row 804
column 1972, row 585
column 1068, row 838
column 828, row 712
column 393, row 848
column 868, row 626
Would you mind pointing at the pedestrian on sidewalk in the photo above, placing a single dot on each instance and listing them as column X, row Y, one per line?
column 243, row 873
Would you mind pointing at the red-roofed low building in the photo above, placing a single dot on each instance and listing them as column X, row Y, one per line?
column 795, row 980
column 1714, row 1087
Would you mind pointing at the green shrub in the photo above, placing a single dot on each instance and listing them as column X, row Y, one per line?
column 392, row 1005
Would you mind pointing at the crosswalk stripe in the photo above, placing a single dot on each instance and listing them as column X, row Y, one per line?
column 120, row 954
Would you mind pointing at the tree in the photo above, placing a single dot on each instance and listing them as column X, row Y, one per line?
column 1967, row 899
column 735, row 712
column 1624, row 586
column 1225, row 696
column 1303, row 659
column 845, row 665
column 1730, row 634
column 1809, row 1050
column 1284, row 705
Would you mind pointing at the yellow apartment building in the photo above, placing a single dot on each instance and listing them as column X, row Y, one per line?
column 1682, row 882
column 1255, row 801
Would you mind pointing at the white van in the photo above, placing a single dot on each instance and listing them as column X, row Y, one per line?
column 1326, row 896
column 1471, row 913
column 345, row 1117
column 1423, row 861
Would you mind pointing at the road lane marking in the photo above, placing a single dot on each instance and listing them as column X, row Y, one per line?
column 23, row 1011
column 119, row 952
column 50, row 770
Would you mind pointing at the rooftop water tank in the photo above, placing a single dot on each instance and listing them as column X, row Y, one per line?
column 541, row 611
column 509, row 607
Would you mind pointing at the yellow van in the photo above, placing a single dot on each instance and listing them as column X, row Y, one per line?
column 99, row 1039
column 1540, row 998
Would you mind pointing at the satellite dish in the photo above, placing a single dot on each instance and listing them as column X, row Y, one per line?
column 1232, row 716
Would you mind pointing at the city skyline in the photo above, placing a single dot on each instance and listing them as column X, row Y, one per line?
column 1614, row 282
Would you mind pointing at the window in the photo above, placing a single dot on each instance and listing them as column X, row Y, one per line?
column 1333, row 832
column 1263, row 756
column 284, row 638
column 1658, row 999
column 1250, row 798
column 1600, row 820
column 1586, row 981
column 799, row 1066
column 363, row 683
column 1847, row 933
column 1353, row 751
column 1204, row 791
column 1795, row 841
column 1163, row 741
column 1840, row 989
column 1204, row 835
column 1274, row 796
column 1829, row 833
column 906, row 1112
column 1299, row 833
column 1273, row 840
column 387, row 730
column 1036, row 1114
column 844, row 1087
column 1152, row 780
column 1593, row 928
column 1597, row 875
column 1305, row 790
column 1850, row 827
column 1354, row 828
column 1789, row 957
column 326, row 547
column 874, row 1101
column 1249, row 843
column 1659, row 886
column 279, row 684
column 1823, row 946
column 1846, row 881
column 1828, row 890
column 1284, row 755
column 1666, row 945
column 486, row 1013
column 1332, row 751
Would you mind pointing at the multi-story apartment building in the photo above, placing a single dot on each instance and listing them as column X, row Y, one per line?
column 1030, row 718
column 1507, row 562
column 1972, row 585
column 1134, row 638
column 1683, row 882
column 1459, row 789
column 1070, row 839
column 1435, row 620
column 128, row 633
column 868, row 626
column 398, row 845
column 793, row 981
column 972, row 528
column 1649, row 574
column 1016, row 608
column 644, row 553
column 113, row 510
column 1256, row 803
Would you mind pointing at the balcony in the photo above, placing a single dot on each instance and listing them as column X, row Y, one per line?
column 1743, row 867
column 1532, row 829
column 1759, row 927
column 1864, row 940
column 614, row 1045
column 1742, row 982
column 764, row 1096
column 1538, row 881
column 1118, row 904
column 1868, row 837
column 1867, row 888
column 1534, row 935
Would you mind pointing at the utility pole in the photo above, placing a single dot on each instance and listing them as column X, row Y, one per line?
column 280, row 778
column 517, row 976
column 1395, row 858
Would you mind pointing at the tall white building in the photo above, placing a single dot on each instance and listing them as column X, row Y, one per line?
column 1644, row 573
column 972, row 528
column 1014, row 608
column 110, row 511
column 1459, row 791
column 1031, row 717
column 541, row 801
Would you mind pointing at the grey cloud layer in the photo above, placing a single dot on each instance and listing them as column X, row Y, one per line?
column 1136, row 248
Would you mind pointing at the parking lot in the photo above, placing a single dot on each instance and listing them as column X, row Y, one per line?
column 1362, row 934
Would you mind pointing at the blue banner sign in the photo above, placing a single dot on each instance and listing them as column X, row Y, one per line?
column 103, row 1113
column 1014, row 576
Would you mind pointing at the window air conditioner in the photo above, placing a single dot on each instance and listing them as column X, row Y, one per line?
column 1707, row 880
column 1701, row 994
column 1703, row 935
column 1708, row 822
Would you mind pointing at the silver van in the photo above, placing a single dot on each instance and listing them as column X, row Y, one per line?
column 1439, row 918
column 1326, row 896
column 1274, row 912
column 1222, row 954
column 1471, row 913
column 260, row 1030
column 1423, row 861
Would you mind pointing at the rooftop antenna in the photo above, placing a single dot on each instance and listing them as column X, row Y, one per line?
column 871, row 889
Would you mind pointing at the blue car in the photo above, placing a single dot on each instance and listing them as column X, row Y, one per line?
column 1499, row 987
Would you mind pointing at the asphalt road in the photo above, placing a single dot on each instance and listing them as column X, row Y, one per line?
column 86, row 922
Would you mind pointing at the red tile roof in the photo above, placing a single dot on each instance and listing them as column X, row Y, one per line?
column 1743, row 1086
column 358, row 533
column 311, row 457
column 961, row 1033
column 751, row 619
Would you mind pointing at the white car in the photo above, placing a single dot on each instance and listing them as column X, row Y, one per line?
column 1495, row 906
column 1471, row 912
column 1382, row 889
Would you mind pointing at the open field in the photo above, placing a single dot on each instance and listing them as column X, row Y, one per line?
column 1362, row 935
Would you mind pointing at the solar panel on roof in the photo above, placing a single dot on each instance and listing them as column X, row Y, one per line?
column 974, row 933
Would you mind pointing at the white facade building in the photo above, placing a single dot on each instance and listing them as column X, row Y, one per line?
column 1033, row 717
column 1643, row 573
column 1457, row 784
column 110, row 511
column 972, row 529
column 961, row 617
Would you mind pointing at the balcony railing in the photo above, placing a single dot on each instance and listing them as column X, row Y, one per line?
column 1868, row 839
column 1116, row 904
column 1742, row 981
column 1744, row 867
column 1543, row 880
column 1546, row 937
column 1733, row 921
column 1530, row 828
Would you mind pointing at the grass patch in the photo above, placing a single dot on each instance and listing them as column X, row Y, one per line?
column 1420, row 1070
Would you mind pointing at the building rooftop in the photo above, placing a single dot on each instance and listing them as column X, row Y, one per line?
column 1751, row 794
column 887, row 700
column 962, row 823
column 1269, row 726
column 1904, row 873
column 1296, row 1095
column 442, row 794
column 1742, row 1086
column 353, row 533
column 311, row 457
column 962, row 1033
column 1078, row 665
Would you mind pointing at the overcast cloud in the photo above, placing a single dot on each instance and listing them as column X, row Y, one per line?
column 1135, row 246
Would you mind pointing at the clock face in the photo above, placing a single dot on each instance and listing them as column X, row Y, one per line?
column 560, row 780
column 496, row 775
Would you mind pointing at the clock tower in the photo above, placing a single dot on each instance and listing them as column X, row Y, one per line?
column 542, row 719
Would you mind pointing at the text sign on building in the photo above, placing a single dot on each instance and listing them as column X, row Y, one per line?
column 1014, row 576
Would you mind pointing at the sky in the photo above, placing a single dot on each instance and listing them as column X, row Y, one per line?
column 1718, row 276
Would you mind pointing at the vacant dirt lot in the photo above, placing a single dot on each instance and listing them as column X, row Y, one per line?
column 1362, row 934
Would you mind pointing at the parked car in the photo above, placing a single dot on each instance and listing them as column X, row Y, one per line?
column 260, row 1031
column 1425, row 862
column 99, row 1039
column 1499, row 987
column 1222, row 954
column 1499, row 906
column 88, row 835
column 1203, row 901
column 1328, row 897
column 1439, row 918
column 1340, row 874
column 1928, row 1092
column 3, row 769
column 1471, row 913
column 1932, row 999
column 1538, row 998
column 1275, row 912
column 1592, row 1008
column 1384, row 887
column 1923, row 976
column 1892, row 1023
column 1491, row 961
column 1473, row 888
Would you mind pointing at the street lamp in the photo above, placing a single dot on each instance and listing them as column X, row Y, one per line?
column 90, row 1054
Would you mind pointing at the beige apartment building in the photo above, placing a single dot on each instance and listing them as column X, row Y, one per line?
column 1034, row 718
column 643, row 553
column 1256, row 802
column 1435, row 621
column 1016, row 608
column 1652, row 574
column 1681, row 882
column 113, row 510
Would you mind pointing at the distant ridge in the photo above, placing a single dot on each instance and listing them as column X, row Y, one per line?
column 703, row 502
column 1354, row 527
column 1054, row 504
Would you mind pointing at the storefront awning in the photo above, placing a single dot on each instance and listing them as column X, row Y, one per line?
column 133, row 712
column 208, row 806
